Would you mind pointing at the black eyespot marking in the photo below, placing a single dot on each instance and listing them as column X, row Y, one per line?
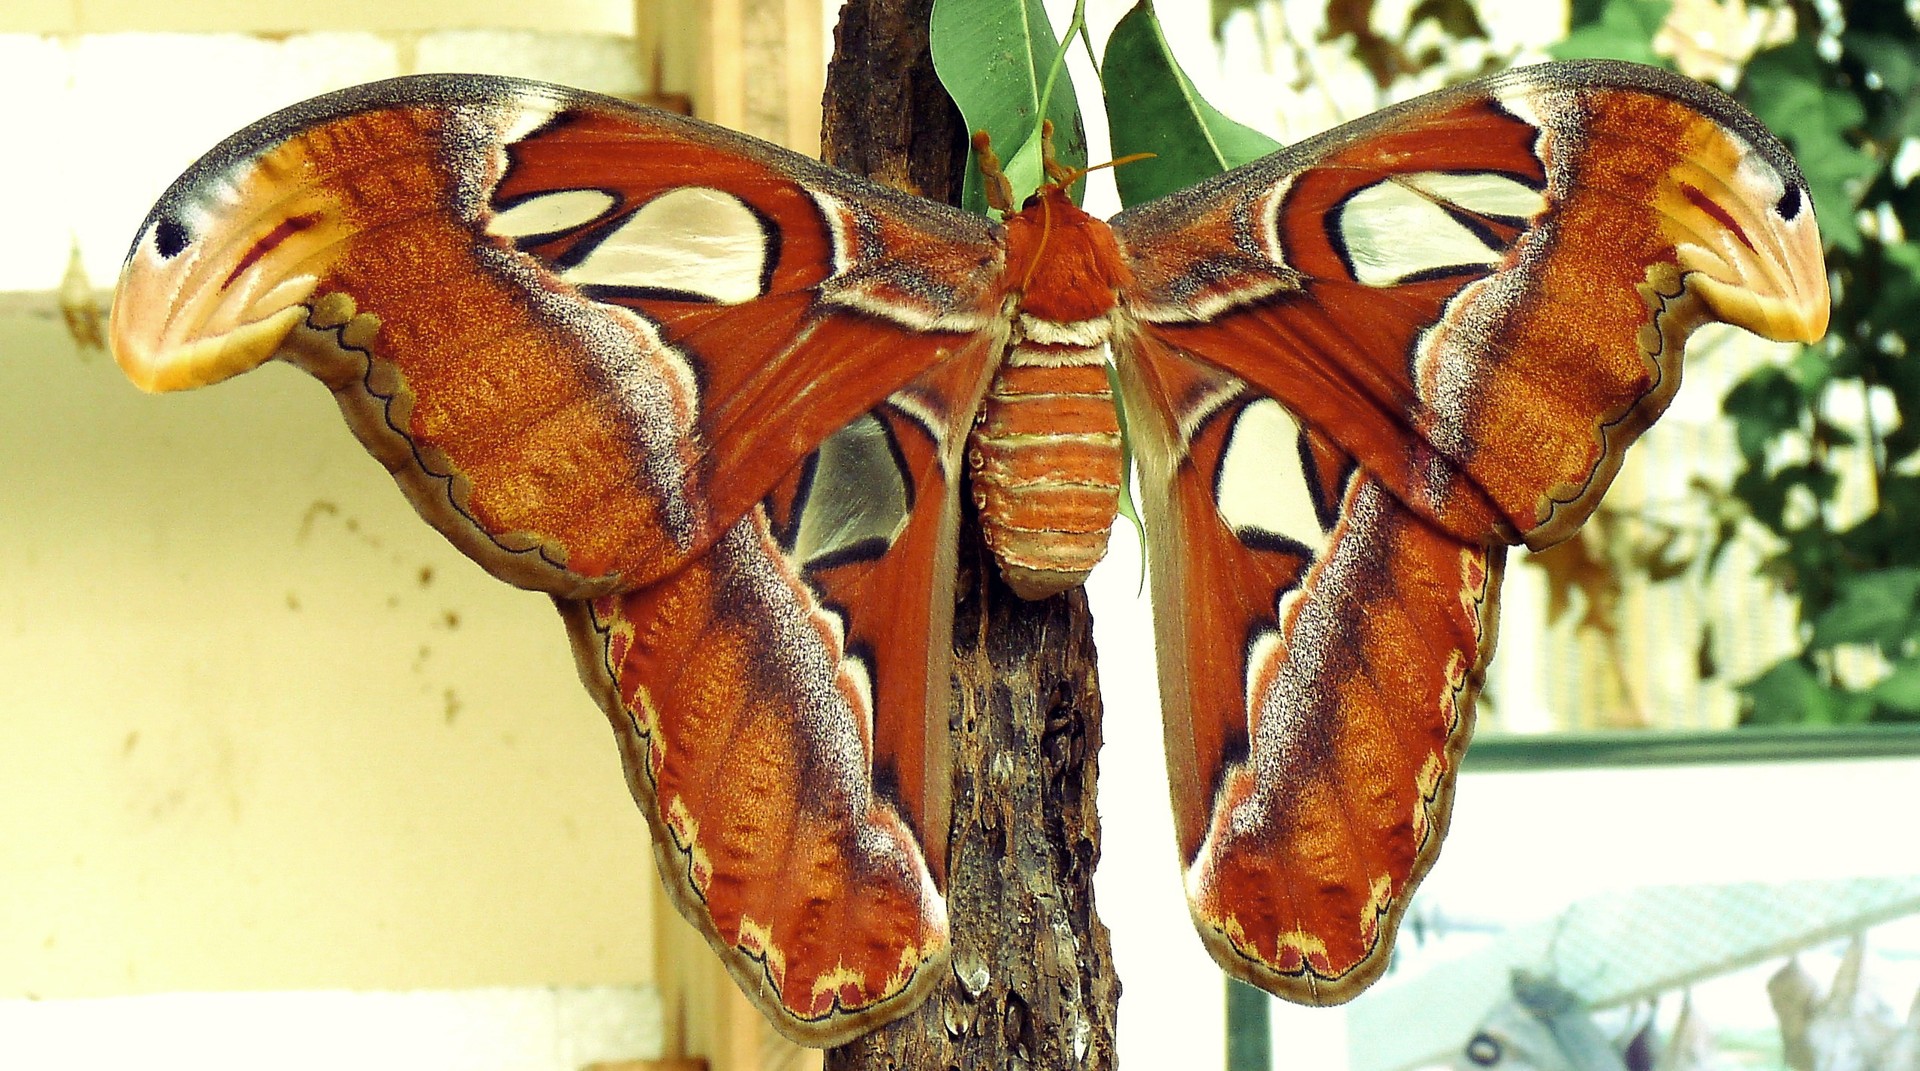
column 1789, row 205
column 169, row 238
column 1484, row 1049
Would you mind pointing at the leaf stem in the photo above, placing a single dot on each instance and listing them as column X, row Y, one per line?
column 1077, row 25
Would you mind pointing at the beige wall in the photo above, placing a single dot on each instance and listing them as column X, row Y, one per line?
column 283, row 16
column 261, row 728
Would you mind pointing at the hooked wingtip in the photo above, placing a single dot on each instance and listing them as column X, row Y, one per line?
column 192, row 309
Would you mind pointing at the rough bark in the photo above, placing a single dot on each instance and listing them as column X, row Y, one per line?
column 1033, row 982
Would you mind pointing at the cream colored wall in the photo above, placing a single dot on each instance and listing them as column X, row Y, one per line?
column 261, row 728
column 282, row 16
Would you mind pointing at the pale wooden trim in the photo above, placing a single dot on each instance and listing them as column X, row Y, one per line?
column 287, row 16
column 720, row 96
column 756, row 66
column 806, row 74
column 704, row 1016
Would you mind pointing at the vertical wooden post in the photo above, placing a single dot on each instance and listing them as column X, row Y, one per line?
column 1032, row 983
column 759, row 63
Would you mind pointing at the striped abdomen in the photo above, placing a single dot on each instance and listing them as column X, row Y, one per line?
column 1045, row 455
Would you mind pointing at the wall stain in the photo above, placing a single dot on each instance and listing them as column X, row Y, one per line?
column 321, row 507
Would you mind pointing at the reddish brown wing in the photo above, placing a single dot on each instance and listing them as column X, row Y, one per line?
column 710, row 395
column 462, row 258
column 1360, row 367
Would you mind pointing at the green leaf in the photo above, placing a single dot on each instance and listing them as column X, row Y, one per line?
column 1585, row 13
column 1763, row 405
column 1887, row 56
column 1876, row 607
column 1623, row 30
column 1153, row 107
column 1787, row 87
column 1811, row 372
column 1897, row 292
column 1889, row 64
column 1792, row 694
column 995, row 57
column 1901, row 688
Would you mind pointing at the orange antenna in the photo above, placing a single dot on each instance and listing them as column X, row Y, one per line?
column 998, row 190
column 1059, row 175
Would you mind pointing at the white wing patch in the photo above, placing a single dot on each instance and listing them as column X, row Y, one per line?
column 855, row 670
column 526, row 119
column 1485, row 193
column 693, row 240
column 1406, row 225
column 1271, row 203
column 1263, row 650
column 1261, row 488
column 550, row 213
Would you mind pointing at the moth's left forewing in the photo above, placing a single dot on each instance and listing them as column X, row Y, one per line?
column 1357, row 369
column 584, row 336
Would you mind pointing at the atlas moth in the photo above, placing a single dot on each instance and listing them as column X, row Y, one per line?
column 720, row 401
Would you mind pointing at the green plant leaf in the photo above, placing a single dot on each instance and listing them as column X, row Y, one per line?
column 994, row 57
column 1897, row 290
column 1621, row 29
column 1128, row 508
column 1790, row 693
column 1762, row 406
column 1892, row 59
column 1153, row 107
column 1901, row 688
column 1876, row 607
column 1582, row 13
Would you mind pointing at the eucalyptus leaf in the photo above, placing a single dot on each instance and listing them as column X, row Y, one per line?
column 994, row 57
column 1152, row 107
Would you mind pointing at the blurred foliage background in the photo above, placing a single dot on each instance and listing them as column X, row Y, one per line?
column 1837, row 82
